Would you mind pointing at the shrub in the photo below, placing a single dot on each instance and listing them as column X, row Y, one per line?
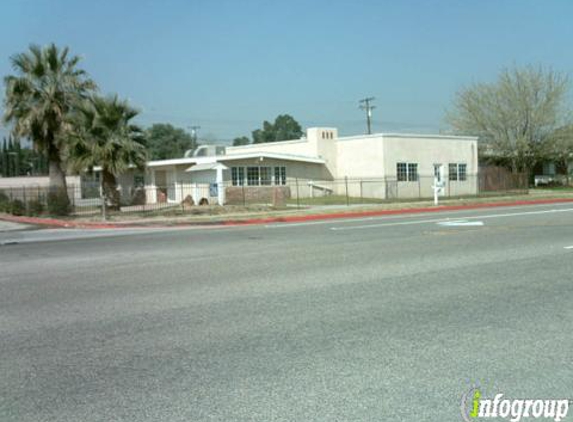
column 58, row 203
column 17, row 207
column 35, row 208
column 138, row 197
column 4, row 202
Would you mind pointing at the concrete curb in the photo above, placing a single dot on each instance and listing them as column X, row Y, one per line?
column 52, row 222
column 359, row 214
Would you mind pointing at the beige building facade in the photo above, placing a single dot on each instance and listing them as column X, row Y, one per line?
column 388, row 164
column 382, row 165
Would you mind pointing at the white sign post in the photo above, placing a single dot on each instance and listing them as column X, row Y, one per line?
column 438, row 189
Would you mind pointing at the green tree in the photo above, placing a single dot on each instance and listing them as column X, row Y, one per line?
column 284, row 128
column 17, row 154
column 11, row 153
column 4, row 159
column 166, row 141
column 40, row 99
column 516, row 116
column 105, row 136
column 242, row 140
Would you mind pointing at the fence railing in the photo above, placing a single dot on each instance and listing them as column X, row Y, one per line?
column 87, row 199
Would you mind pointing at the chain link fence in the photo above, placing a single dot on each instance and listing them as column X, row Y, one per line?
column 86, row 199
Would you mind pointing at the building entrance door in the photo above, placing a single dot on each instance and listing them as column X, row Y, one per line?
column 439, row 172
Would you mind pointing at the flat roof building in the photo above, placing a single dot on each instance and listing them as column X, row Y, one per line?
column 381, row 165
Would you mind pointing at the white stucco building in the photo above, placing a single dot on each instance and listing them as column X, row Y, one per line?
column 382, row 165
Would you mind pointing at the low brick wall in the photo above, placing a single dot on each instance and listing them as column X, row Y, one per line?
column 238, row 195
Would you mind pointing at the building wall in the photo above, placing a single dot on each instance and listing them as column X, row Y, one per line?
column 34, row 181
column 294, row 169
column 326, row 146
column 374, row 157
column 319, row 142
column 427, row 151
column 28, row 186
column 298, row 147
column 174, row 184
column 368, row 161
column 360, row 157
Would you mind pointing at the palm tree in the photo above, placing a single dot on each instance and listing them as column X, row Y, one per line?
column 39, row 100
column 105, row 137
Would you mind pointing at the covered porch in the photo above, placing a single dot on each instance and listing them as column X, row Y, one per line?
column 210, row 180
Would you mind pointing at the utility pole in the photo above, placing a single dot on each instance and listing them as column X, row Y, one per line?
column 365, row 105
column 194, row 130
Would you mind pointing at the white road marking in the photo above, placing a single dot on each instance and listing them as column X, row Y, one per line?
column 402, row 223
column 313, row 223
column 438, row 220
column 568, row 247
column 461, row 223
column 410, row 216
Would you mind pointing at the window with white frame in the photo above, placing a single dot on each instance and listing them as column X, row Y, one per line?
column 412, row 172
column 458, row 172
column 407, row 172
column 402, row 172
column 258, row 176
column 253, row 176
column 266, row 176
column 238, row 176
column 438, row 172
column 452, row 172
column 280, row 175
column 462, row 172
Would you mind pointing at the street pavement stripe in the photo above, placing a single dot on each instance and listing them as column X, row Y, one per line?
column 406, row 215
column 438, row 220
column 461, row 223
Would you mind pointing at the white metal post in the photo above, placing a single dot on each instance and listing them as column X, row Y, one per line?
column 220, row 187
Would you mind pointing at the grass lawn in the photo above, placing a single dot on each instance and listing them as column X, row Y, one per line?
column 341, row 199
column 553, row 188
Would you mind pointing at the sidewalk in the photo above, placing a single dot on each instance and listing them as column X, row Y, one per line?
column 296, row 215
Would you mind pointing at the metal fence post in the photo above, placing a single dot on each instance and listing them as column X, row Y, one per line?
column 297, row 196
column 346, row 188
column 74, row 191
column 103, row 211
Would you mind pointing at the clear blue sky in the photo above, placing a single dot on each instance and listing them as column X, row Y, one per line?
column 229, row 65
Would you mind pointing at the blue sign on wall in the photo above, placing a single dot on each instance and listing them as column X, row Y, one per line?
column 213, row 189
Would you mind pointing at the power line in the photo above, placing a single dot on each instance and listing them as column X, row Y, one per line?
column 365, row 105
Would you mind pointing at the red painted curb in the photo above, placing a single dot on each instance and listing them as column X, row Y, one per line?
column 52, row 222
column 332, row 216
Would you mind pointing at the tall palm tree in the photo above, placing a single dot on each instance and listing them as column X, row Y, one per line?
column 105, row 137
column 39, row 100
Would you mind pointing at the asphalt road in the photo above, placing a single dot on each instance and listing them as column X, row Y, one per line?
column 381, row 319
